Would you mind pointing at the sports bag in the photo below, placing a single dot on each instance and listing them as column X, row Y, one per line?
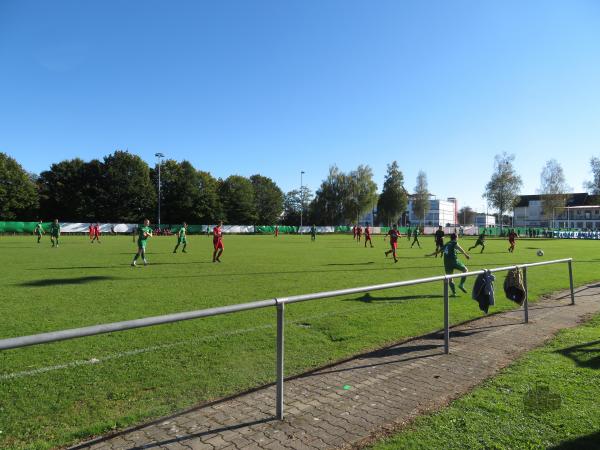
column 514, row 287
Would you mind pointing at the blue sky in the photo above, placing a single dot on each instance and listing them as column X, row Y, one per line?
column 276, row 87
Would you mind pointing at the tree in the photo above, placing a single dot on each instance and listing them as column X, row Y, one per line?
column 18, row 194
column 237, row 196
column 328, row 205
column 292, row 205
column 359, row 192
column 503, row 189
column 553, row 187
column 131, row 194
column 180, row 192
column 593, row 186
column 268, row 199
column 393, row 198
column 466, row 215
column 208, row 208
column 94, row 194
column 420, row 204
column 62, row 191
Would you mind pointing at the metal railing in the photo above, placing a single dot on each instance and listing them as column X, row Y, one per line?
column 279, row 303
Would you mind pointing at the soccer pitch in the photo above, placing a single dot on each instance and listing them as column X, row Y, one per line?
column 58, row 393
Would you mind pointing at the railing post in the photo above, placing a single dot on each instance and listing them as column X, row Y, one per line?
column 280, row 333
column 526, row 300
column 446, row 318
column 571, row 282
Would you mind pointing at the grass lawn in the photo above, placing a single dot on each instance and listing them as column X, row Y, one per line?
column 58, row 393
column 503, row 412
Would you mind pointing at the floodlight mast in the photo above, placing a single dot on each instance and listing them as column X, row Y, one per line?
column 301, row 199
column 159, row 157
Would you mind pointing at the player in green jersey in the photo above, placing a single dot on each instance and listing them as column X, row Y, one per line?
column 181, row 238
column 144, row 232
column 54, row 233
column 451, row 262
column 415, row 236
column 480, row 241
column 39, row 231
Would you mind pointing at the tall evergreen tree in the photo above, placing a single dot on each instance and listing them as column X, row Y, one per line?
column 466, row 215
column 420, row 204
column 393, row 199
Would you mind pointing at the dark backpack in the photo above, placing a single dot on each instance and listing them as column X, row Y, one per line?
column 514, row 287
column 483, row 290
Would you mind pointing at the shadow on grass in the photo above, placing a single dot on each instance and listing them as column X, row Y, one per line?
column 391, row 267
column 368, row 298
column 120, row 266
column 64, row 281
column 350, row 264
column 584, row 355
column 589, row 441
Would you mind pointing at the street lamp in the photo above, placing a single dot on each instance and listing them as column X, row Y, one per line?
column 159, row 157
column 301, row 200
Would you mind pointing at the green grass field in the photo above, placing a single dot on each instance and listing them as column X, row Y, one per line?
column 58, row 393
column 500, row 415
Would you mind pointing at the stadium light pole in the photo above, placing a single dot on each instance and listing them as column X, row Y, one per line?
column 301, row 199
column 159, row 157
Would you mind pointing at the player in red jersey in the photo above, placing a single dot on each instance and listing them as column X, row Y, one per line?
column 217, row 242
column 359, row 231
column 276, row 230
column 91, row 230
column 394, row 234
column 354, row 232
column 96, row 233
column 368, row 235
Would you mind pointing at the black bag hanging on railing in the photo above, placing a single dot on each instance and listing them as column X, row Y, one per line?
column 483, row 290
column 514, row 288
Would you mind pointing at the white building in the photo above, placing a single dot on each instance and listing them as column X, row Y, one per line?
column 485, row 220
column 577, row 213
column 441, row 212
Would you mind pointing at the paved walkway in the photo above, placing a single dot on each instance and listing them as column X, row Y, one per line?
column 346, row 404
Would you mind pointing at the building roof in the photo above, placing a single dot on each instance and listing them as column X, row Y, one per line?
column 573, row 199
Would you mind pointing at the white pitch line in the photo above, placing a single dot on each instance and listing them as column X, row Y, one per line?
column 92, row 361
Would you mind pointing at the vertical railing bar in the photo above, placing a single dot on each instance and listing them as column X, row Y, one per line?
column 280, row 359
column 446, row 318
column 526, row 300
column 571, row 282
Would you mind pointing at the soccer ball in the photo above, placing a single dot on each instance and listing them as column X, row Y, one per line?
column 540, row 252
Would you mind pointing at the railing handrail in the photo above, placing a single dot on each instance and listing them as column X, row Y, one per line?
column 73, row 333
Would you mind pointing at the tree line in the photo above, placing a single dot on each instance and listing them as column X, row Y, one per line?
column 123, row 188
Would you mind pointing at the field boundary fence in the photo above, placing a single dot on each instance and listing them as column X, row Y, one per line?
column 280, row 304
